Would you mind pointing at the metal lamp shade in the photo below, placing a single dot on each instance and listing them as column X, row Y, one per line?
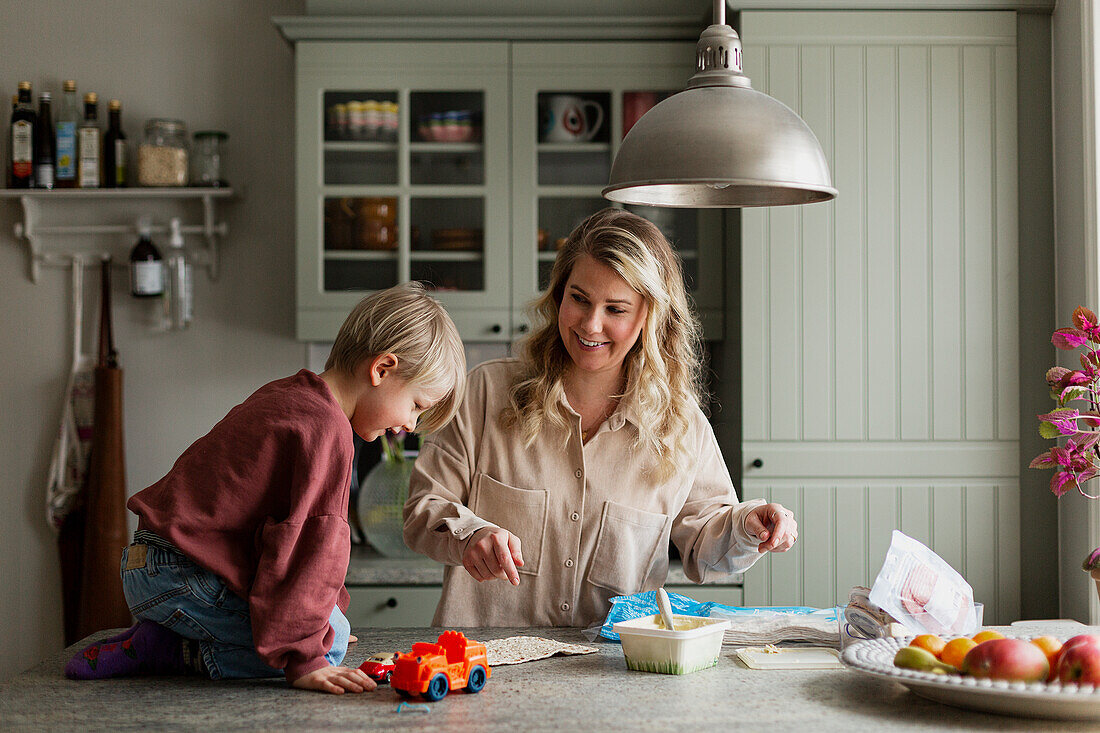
column 720, row 146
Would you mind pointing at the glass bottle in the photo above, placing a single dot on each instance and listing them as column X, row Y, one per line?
column 114, row 148
column 45, row 157
column 146, row 265
column 179, row 290
column 23, row 121
column 68, row 120
column 89, row 146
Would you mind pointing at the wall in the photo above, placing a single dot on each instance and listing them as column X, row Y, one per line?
column 217, row 64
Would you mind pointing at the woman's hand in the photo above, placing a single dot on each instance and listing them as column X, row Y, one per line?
column 493, row 553
column 336, row 680
column 774, row 526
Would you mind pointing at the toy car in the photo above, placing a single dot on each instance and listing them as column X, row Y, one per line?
column 433, row 670
column 379, row 667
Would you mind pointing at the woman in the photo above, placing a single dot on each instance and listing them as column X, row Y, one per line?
column 566, row 473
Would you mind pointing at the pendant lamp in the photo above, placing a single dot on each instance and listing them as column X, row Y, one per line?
column 719, row 143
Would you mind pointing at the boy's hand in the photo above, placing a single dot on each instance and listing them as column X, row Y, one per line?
column 493, row 553
column 336, row 680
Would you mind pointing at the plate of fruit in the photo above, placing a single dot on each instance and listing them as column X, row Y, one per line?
column 1042, row 677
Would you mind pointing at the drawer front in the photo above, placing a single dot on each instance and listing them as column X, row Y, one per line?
column 728, row 595
column 389, row 606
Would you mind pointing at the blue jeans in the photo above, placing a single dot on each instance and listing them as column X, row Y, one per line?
column 171, row 590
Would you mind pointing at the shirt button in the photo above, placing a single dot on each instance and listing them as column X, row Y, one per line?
column 574, row 516
column 569, row 563
column 458, row 532
column 565, row 606
column 578, row 473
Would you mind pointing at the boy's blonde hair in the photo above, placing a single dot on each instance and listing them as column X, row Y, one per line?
column 663, row 370
column 410, row 324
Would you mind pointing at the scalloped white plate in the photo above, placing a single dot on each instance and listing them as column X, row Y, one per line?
column 1033, row 700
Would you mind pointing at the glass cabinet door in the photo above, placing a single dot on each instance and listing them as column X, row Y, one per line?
column 403, row 178
column 572, row 105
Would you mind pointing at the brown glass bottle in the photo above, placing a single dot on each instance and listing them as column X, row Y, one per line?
column 114, row 148
column 22, row 138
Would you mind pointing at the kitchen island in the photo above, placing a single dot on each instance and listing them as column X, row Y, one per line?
column 588, row 692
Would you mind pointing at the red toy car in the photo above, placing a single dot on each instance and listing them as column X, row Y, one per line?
column 433, row 670
column 379, row 667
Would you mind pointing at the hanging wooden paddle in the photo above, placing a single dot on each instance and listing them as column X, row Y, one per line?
column 102, row 605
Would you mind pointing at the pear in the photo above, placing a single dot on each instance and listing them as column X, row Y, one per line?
column 922, row 660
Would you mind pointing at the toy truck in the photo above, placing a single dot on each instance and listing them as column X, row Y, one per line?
column 433, row 670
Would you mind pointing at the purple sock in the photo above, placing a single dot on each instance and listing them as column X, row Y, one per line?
column 149, row 649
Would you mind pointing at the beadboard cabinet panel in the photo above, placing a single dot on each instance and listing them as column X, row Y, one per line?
column 880, row 385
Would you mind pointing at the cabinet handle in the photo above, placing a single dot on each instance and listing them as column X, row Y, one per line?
column 757, row 463
column 495, row 328
column 392, row 602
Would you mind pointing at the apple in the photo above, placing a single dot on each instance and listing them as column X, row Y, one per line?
column 1080, row 663
column 1006, row 659
column 1087, row 639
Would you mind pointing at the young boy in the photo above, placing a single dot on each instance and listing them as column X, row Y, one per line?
column 237, row 567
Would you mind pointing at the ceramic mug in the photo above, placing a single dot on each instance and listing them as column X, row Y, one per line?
column 565, row 119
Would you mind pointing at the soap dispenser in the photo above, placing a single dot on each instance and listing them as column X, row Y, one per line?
column 180, row 291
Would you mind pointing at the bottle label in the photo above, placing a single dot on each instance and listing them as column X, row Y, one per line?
column 66, row 151
column 43, row 175
column 21, row 149
column 147, row 278
column 120, row 163
column 89, row 157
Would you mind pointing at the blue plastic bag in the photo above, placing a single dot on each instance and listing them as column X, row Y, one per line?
column 625, row 608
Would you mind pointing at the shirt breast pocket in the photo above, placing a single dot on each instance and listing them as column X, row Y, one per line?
column 627, row 547
column 520, row 511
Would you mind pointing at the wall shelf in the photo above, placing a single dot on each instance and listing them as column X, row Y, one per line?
column 100, row 223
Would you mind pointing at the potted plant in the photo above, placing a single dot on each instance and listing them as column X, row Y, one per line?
column 1075, row 418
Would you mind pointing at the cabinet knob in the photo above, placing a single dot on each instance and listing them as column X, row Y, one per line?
column 757, row 463
column 391, row 602
column 495, row 328
column 522, row 328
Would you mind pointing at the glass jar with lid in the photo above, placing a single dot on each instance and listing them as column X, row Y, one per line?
column 208, row 158
column 163, row 154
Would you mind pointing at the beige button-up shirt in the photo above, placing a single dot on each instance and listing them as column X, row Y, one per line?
column 591, row 523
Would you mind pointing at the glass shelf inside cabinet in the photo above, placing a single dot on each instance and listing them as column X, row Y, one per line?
column 445, row 145
column 447, row 242
column 361, row 242
column 360, row 138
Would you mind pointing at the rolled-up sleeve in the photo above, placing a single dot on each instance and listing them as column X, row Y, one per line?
column 438, row 522
column 710, row 530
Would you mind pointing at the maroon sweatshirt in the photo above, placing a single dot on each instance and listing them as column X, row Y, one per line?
column 262, row 501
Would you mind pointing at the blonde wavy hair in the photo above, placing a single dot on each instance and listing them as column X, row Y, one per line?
column 664, row 373
column 413, row 326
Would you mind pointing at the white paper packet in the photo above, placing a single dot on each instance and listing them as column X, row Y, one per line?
column 919, row 589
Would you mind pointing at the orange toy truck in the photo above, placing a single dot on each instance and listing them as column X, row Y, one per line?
column 433, row 670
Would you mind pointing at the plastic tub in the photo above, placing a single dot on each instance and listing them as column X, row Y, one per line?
column 693, row 645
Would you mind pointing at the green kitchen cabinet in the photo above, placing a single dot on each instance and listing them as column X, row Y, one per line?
column 387, row 606
column 464, row 164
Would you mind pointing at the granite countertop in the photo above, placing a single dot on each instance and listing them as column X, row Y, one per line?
column 589, row 692
column 368, row 567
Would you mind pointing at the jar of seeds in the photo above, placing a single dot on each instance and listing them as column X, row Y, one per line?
column 163, row 154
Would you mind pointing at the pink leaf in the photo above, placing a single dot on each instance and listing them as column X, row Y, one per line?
column 1043, row 460
column 1084, row 319
column 1069, row 339
column 1060, row 482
